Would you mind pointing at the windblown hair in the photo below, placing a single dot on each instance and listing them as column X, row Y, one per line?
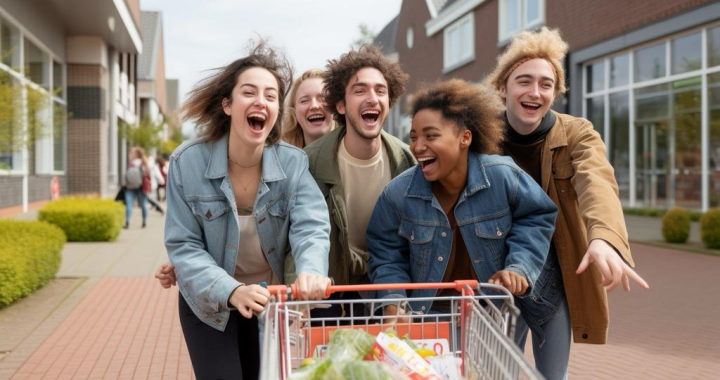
column 545, row 43
column 205, row 102
column 292, row 131
column 470, row 106
column 340, row 71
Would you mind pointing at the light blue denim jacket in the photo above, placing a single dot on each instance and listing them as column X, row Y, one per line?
column 506, row 221
column 201, row 228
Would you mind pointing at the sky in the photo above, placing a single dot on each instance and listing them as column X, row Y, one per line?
column 204, row 34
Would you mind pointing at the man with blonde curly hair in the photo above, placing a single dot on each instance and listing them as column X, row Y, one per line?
column 590, row 254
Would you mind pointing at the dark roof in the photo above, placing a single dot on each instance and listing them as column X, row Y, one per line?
column 386, row 38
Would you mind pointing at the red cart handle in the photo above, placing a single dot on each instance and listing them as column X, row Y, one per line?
column 458, row 285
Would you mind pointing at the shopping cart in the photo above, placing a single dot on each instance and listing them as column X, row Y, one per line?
column 477, row 329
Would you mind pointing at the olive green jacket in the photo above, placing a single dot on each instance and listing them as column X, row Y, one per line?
column 322, row 155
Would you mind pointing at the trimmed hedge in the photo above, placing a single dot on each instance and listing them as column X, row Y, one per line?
column 85, row 219
column 29, row 257
column 676, row 225
column 710, row 229
column 694, row 215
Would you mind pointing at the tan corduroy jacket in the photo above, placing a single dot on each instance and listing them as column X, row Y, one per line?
column 579, row 179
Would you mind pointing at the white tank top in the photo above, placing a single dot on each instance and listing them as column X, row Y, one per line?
column 251, row 266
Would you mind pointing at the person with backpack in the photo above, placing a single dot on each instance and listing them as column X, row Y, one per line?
column 137, row 184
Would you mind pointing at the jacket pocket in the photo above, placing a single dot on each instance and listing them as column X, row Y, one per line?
column 209, row 210
column 213, row 215
column 562, row 175
column 492, row 232
column 420, row 239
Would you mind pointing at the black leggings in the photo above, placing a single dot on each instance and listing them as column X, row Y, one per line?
column 230, row 354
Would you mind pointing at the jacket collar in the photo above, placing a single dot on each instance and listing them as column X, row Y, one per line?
column 419, row 187
column 556, row 138
column 218, row 165
column 326, row 166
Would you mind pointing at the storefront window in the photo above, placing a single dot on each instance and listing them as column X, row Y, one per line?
column 687, row 171
column 620, row 70
column 686, row 53
column 596, row 114
column 37, row 65
column 713, row 48
column 714, row 123
column 650, row 62
column 11, row 128
column 9, row 45
column 596, row 77
column 619, row 145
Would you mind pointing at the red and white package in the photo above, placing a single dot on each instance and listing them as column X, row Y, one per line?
column 399, row 355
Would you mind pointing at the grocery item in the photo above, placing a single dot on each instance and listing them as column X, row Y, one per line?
column 399, row 355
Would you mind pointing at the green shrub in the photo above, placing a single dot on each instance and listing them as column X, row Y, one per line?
column 710, row 229
column 644, row 211
column 29, row 257
column 85, row 219
column 676, row 225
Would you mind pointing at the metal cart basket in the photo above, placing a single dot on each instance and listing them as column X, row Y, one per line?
column 478, row 328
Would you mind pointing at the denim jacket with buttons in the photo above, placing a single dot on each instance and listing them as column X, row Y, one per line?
column 504, row 217
column 201, row 228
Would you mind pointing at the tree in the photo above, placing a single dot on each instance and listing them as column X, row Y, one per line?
column 145, row 135
column 367, row 36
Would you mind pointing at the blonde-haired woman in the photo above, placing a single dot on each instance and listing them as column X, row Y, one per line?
column 306, row 119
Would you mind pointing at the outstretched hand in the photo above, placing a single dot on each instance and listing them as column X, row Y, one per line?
column 612, row 267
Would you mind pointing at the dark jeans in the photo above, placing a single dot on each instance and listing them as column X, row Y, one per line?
column 230, row 354
column 340, row 310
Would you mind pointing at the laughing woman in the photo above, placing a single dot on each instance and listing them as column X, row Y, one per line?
column 306, row 119
column 236, row 198
column 462, row 212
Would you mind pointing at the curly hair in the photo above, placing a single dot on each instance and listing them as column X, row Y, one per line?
column 545, row 43
column 204, row 105
column 470, row 106
column 340, row 71
column 292, row 132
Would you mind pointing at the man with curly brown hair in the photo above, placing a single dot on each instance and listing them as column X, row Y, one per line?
column 353, row 163
column 590, row 253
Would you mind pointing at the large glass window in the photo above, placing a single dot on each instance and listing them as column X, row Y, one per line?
column 596, row 76
column 9, row 45
column 650, row 62
column 686, row 53
column 713, row 46
column 11, row 127
column 714, row 123
column 518, row 15
column 58, row 75
column 686, row 123
column 596, row 113
column 37, row 65
column 620, row 70
column 59, row 135
column 619, row 146
column 458, row 42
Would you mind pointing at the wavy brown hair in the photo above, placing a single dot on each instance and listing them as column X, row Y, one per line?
column 470, row 106
column 204, row 104
column 340, row 71
column 292, row 132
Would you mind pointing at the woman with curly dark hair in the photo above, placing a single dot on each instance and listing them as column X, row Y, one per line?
column 237, row 198
column 462, row 212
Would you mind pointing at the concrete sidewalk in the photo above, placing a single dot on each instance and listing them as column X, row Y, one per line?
column 106, row 317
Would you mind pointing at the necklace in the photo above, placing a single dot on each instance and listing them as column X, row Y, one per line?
column 244, row 167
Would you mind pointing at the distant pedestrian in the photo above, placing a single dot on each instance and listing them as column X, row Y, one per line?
column 161, row 164
column 137, row 184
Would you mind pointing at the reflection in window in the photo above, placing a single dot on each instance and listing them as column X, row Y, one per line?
column 9, row 45
column 620, row 142
column 57, row 79
column 458, row 42
column 713, row 46
column 652, row 102
column 517, row 15
column 596, row 77
column 686, row 53
column 650, row 62
column 11, row 127
column 687, row 169
column 620, row 70
column 36, row 65
column 596, row 114
column 59, row 136
column 714, row 102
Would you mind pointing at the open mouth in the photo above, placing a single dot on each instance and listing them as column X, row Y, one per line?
column 426, row 163
column 530, row 106
column 316, row 120
column 256, row 121
column 370, row 116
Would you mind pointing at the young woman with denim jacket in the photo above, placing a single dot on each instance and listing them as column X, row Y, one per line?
column 462, row 212
column 236, row 198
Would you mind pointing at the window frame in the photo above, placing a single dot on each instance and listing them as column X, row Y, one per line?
column 504, row 36
column 448, row 63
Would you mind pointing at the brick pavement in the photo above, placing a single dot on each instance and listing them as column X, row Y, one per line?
column 127, row 327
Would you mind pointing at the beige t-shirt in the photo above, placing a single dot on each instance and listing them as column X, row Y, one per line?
column 363, row 181
column 251, row 266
